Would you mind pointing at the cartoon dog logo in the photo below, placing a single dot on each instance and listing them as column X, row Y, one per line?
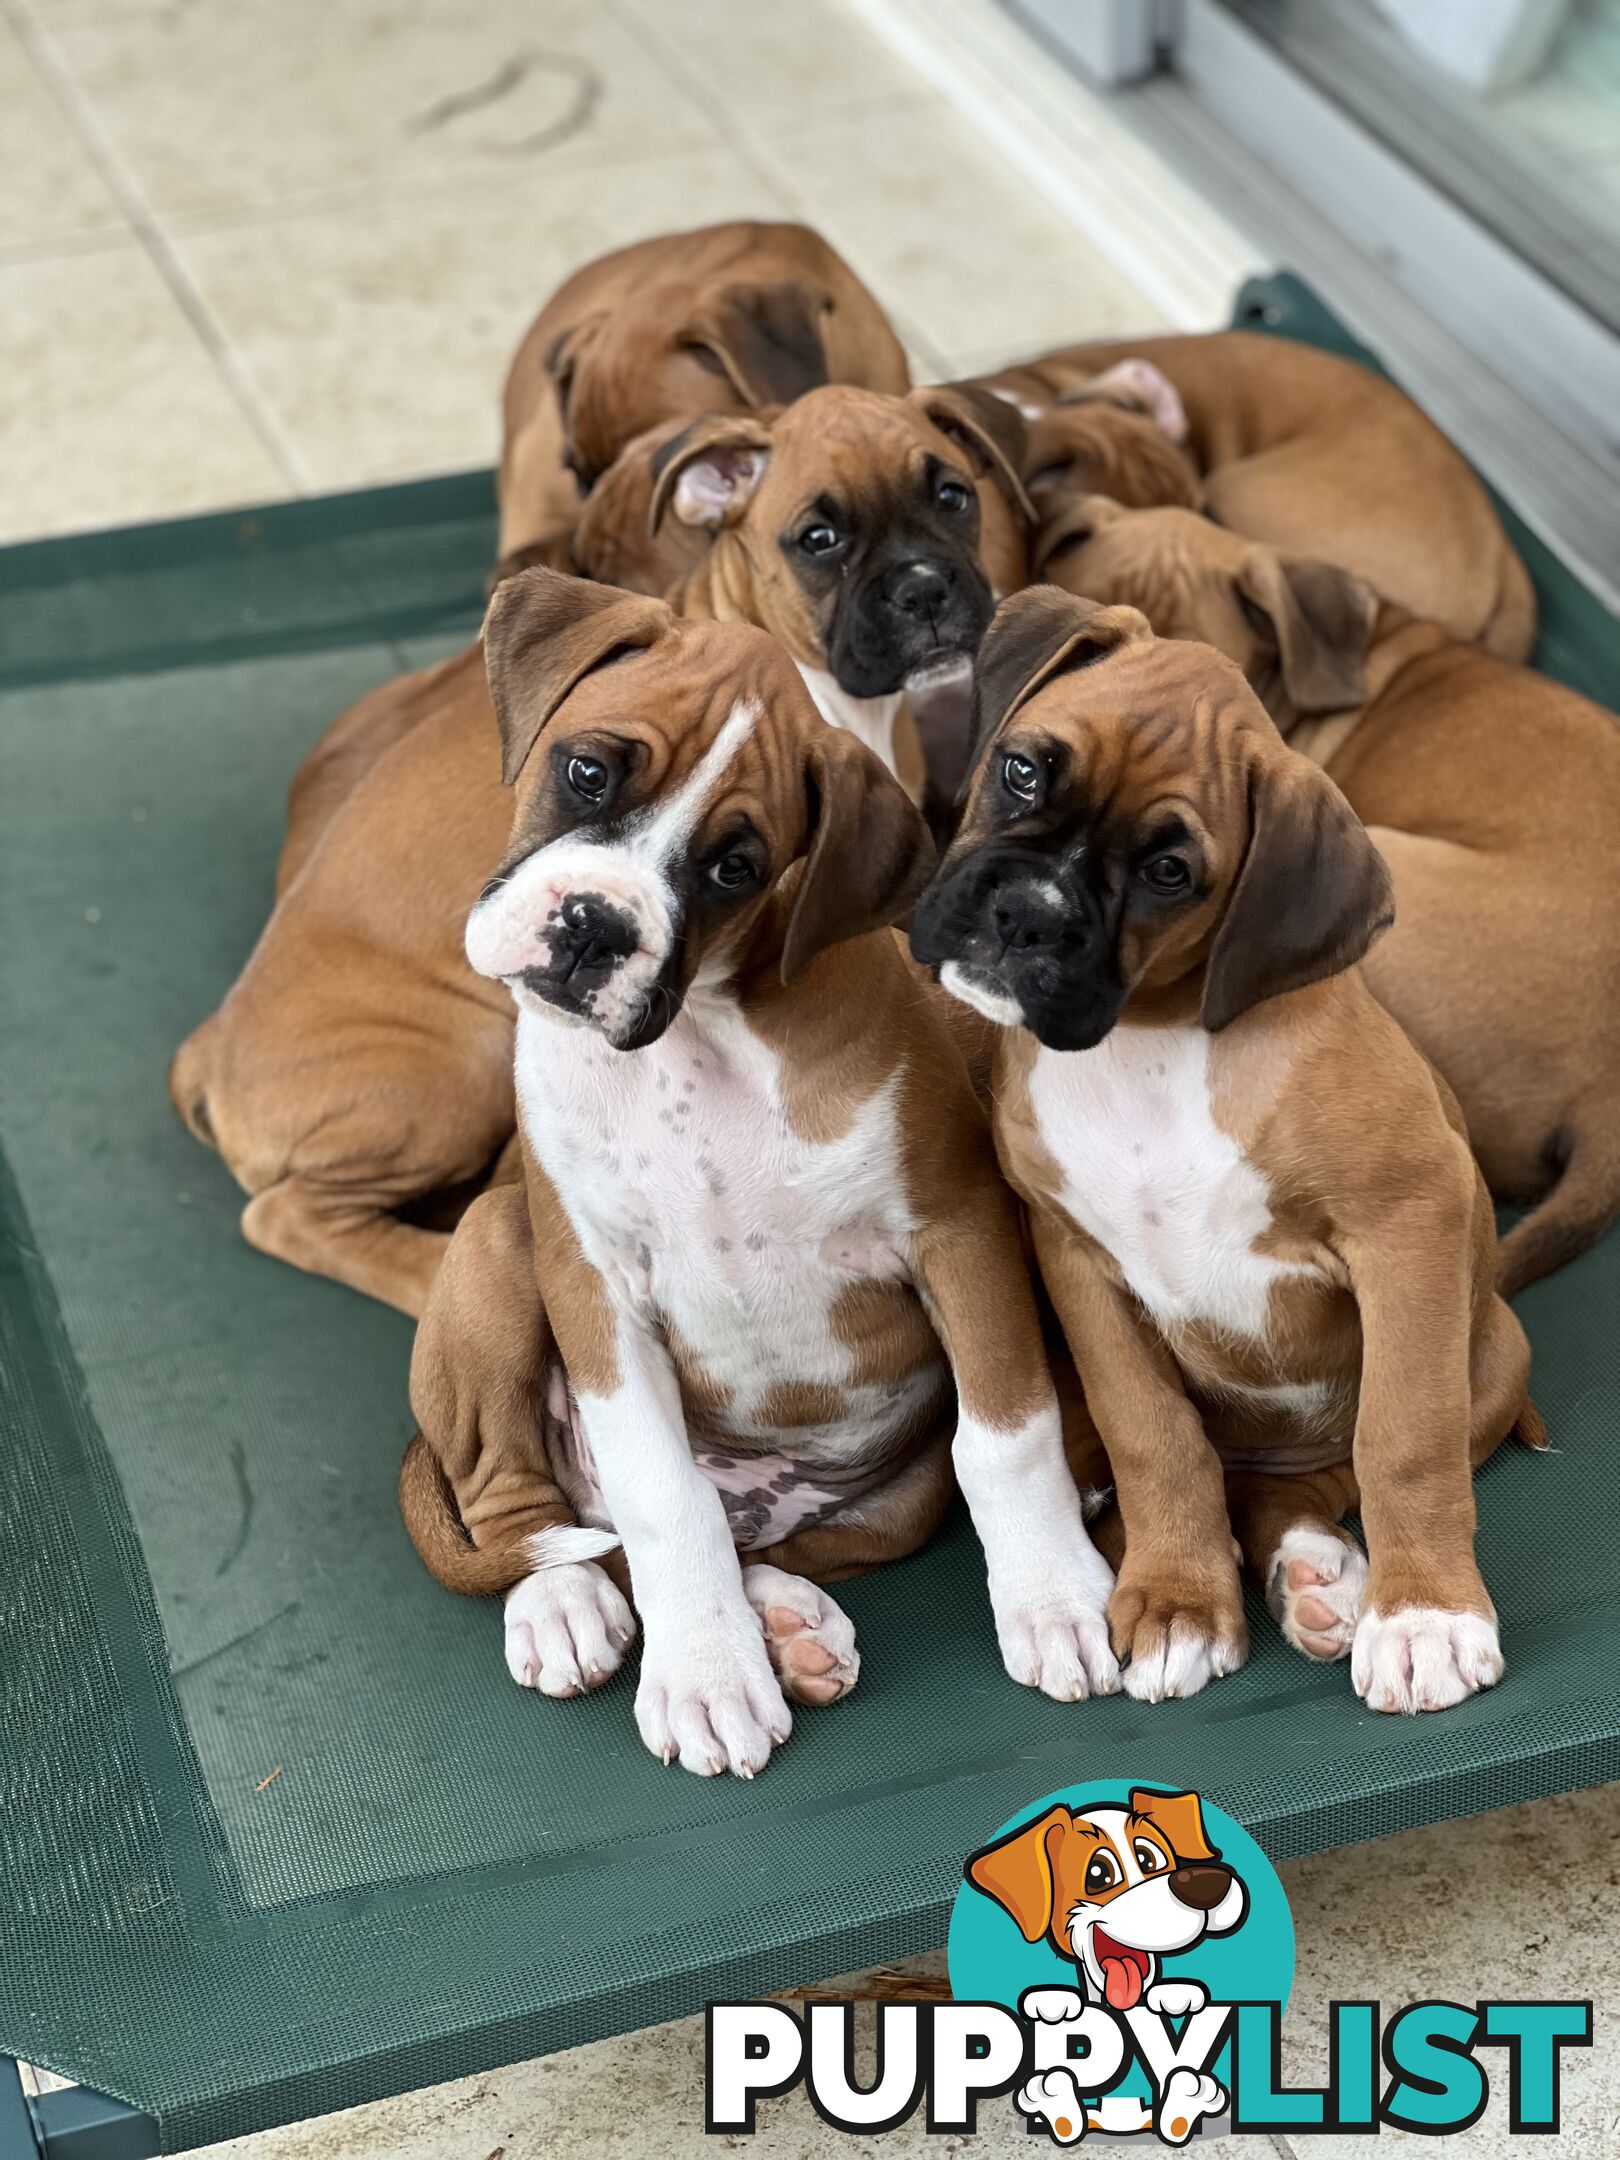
column 1116, row 1889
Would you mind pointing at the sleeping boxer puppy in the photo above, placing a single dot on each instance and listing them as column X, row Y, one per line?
column 723, row 319
column 764, row 1231
column 1253, row 1201
column 1475, row 778
column 871, row 535
column 1288, row 445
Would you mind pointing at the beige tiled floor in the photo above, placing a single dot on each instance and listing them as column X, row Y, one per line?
column 258, row 250
column 250, row 248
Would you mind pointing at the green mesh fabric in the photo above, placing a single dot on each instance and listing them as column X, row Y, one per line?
column 203, row 1579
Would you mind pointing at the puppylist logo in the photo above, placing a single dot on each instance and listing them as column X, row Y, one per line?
column 1121, row 1957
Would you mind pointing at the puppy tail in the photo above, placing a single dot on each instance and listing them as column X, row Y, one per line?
column 1574, row 1215
column 450, row 1556
column 1530, row 1427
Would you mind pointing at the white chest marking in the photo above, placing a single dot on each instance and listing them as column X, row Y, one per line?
column 1151, row 1176
column 705, row 1212
column 872, row 719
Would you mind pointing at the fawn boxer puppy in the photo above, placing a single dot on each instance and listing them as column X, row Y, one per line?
column 764, row 1231
column 1476, row 777
column 1290, row 445
column 722, row 319
column 1253, row 1201
column 871, row 535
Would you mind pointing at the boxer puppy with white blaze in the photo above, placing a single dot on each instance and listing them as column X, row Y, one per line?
column 774, row 1280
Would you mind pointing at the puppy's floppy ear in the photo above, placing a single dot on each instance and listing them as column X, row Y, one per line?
column 709, row 471
column 1020, row 1871
column 1140, row 387
column 765, row 339
column 869, row 856
column 1181, row 1818
column 994, row 433
column 1320, row 618
column 1035, row 634
column 543, row 633
column 1075, row 520
column 1310, row 899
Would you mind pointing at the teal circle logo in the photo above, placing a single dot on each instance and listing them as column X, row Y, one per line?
column 1109, row 1914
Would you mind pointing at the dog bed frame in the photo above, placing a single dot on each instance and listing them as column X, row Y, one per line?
column 279, row 1835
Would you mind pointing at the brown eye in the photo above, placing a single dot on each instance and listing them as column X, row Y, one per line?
column 1021, row 775
column 732, row 872
column 588, row 777
column 1149, row 1858
column 1102, row 1874
column 953, row 494
column 818, row 539
column 1166, row 874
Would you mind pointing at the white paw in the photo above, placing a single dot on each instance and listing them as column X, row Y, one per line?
column 1181, row 1661
column 1188, row 2096
column 708, row 1698
column 1054, row 2098
column 809, row 1639
column 1051, row 2005
column 1422, row 1659
column 1314, row 1588
column 1176, row 1998
column 566, row 1629
column 1057, row 1639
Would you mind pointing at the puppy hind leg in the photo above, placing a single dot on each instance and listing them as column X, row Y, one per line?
column 1312, row 1572
column 810, row 1639
column 478, row 1488
column 326, row 1230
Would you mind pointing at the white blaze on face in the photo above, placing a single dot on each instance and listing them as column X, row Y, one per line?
column 510, row 930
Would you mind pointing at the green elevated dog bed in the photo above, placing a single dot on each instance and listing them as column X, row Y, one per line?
column 279, row 1835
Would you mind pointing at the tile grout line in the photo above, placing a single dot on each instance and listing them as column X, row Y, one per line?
column 81, row 116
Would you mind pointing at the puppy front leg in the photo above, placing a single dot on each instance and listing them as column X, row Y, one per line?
column 707, row 1693
column 1176, row 1616
column 1048, row 1583
column 1427, row 1636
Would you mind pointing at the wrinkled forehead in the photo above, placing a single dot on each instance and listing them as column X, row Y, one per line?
column 711, row 712
column 857, row 444
column 1154, row 722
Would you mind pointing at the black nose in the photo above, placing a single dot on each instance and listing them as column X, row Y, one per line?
column 590, row 936
column 919, row 589
column 1023, row 925
column 1201, row 1887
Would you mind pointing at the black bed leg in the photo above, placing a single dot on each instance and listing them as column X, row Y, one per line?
column 71, row 2124
column 19, row 2138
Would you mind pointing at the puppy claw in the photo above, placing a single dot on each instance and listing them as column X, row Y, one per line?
column 809, row 1639
column 1314, row 1588
column 711, row 1702
column 565, row 1629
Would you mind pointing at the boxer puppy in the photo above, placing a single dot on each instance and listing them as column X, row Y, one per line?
column 871, row 535
column 764, row 1231
column 1288, row 445
column 1253, row 1201
column 723, row 319
column 1475, row 778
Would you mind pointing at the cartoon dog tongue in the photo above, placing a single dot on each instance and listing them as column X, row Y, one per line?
column 1122, row 1976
